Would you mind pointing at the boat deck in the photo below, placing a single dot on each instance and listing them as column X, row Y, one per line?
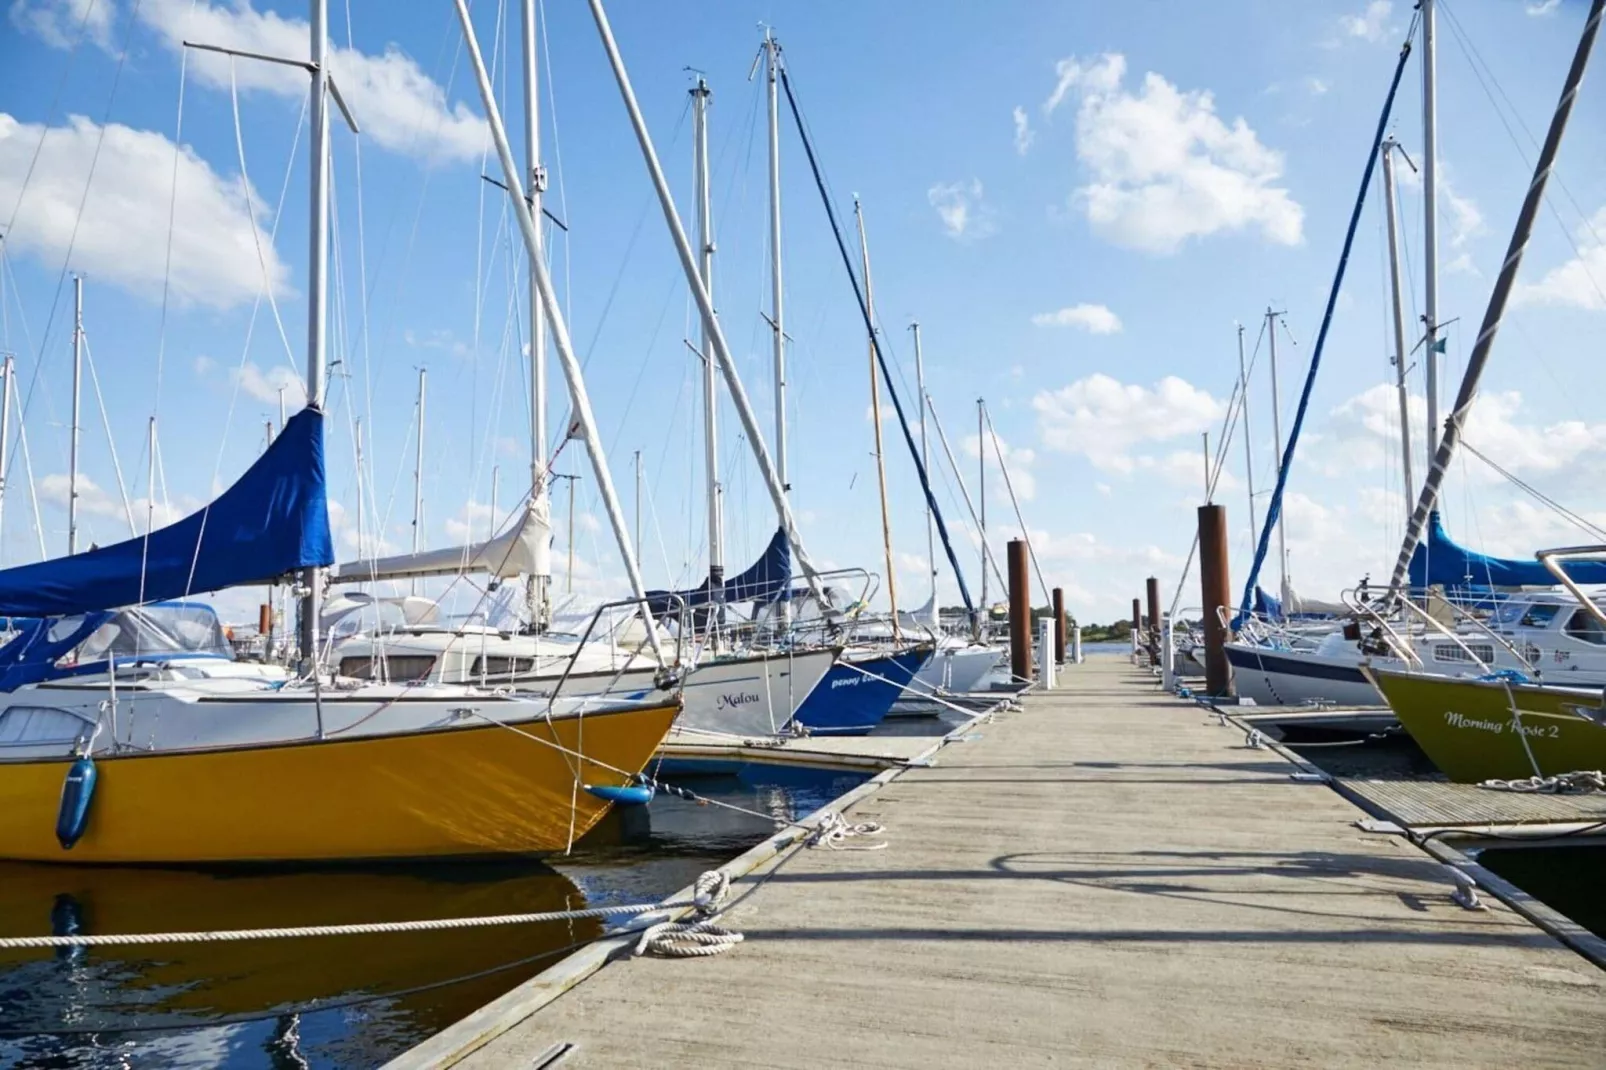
column 1429, row 804
column 1105, row 878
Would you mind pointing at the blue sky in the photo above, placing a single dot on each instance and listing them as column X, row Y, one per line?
column 1077, row 202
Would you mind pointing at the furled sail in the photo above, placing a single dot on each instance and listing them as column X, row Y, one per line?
column 274, row 520
column 767, row 580
column 1438, row 561
column 524, row 549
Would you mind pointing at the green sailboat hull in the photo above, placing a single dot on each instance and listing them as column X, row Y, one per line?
column 1468, row 727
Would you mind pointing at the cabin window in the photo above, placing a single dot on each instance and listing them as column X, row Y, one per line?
column 1539, row 616
column 30, row 725
column 405, row 668
column 1451, row 652
column 1585, row 627
column 500, row 666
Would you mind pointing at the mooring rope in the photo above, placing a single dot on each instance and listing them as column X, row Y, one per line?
column 834, row 831
column 1578, row 782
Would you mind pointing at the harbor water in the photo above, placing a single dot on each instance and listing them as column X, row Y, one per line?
column 339, row 1001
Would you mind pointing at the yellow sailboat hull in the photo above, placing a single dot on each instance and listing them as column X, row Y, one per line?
column 459, row 791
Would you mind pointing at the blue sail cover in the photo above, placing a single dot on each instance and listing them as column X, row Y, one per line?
column 273, row 520
column 1439, row 561
column 1267, row 606
column 768, row 580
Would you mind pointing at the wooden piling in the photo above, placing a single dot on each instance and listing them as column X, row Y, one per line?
column 1059, row 626
column 1216, row 597
column 1152, row 589
column 1137, row 627
column 1020, row 611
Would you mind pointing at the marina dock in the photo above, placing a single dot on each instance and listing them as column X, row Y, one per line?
column 1106, row 877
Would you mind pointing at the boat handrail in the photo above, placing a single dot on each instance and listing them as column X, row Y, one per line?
column 1365, row 609
column 1552, row 559
column 668, row 678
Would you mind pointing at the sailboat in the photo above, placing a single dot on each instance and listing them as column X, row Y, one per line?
column 725, row 689
column 161, row 762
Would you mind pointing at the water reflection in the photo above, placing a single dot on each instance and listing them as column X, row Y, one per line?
column 384, row 984
column 338, row 1001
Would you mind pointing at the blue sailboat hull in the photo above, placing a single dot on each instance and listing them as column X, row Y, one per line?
column 849, row 703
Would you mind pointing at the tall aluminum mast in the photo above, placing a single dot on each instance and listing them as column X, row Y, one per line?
column 1277, row 443
column 1249, row 449
column 535, row 594
column 875, row 418
column 1430, row 218
column 925, row 459
column 77, row 394
column 700, row 95
column 579, row 398
column 317, row 290
column 705, row 304
column 1390, row 146
column 418, row 474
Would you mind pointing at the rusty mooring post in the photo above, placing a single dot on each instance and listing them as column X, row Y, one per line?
column 1020, row 612
column 1215, row 590
column 1137, row 627
column 1059, row 626
column 1152, row 637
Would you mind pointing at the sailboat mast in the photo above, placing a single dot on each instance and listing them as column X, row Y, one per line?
column 317, row 289
column 1430, row 217
column 8, row 369
column 705, row 302
column 700, row 96
column 925, row 459
column 535, row 592
column 1249, row 448
column 579, row 397
column 1388, row 149
column 1277, row 443
column 1428, row 500
column 981, row 498
column 875, row 418
column 77, row 394
column 418, row 473
column 772, row 58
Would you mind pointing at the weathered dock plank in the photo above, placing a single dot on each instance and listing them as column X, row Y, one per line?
column 1103, row 879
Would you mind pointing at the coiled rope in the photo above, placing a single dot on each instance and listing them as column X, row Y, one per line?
column 709, row 892
column 694, row 939
column 1578, row 782
column 834, row 831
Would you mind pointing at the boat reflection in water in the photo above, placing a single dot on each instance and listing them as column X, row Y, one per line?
column 353, row 1000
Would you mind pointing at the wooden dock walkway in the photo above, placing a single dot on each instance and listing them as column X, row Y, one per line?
column 1106, row 878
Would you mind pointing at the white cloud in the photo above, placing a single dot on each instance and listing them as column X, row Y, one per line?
column 1094, row 319
column 96, row 501
column 204, row 365
column 1542, row 7
column 1102, row 418
column 396, row 104
column 474, row 521
column 1371, row 24
column 1316, row 86
column 1579, row 282
column 123, row 235
column 1164, row 166
column 265, row 386
column 1024, row 135
column 964, row 214
column 58, row 23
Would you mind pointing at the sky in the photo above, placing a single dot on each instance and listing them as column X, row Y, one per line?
column 1079, row 204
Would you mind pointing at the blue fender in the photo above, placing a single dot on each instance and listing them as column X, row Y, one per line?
column 624, row 794
column 77, row 792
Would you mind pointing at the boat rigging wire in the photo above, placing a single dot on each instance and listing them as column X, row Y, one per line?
column 1580, row 521
column 1274, row 509
column 875, row 344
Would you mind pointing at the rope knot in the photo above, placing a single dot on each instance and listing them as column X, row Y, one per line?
column 834, row 831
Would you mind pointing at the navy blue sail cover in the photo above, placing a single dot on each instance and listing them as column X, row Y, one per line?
column 1439, row 561
column 272, row 521
column 768, row 580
